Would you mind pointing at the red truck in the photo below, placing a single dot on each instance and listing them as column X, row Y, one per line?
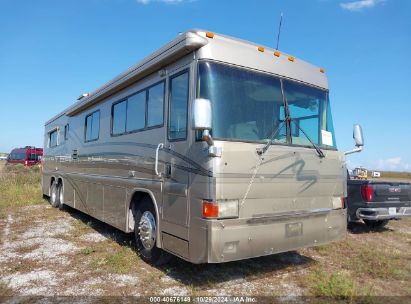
column 28, row 156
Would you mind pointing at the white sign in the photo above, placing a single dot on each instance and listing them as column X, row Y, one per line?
column 327, row 138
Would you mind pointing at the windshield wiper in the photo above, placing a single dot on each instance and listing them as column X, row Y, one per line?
column 261, row 151
column 317, row 148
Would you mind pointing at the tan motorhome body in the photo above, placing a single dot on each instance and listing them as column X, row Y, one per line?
column 290, row 201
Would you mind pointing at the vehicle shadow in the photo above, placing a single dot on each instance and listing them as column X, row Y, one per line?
column 202, row 275
column 360, row 228
column 199, row 275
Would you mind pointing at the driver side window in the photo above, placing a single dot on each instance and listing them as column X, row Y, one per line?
column 177, row 123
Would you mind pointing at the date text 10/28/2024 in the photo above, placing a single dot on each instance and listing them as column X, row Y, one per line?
column 199, row 299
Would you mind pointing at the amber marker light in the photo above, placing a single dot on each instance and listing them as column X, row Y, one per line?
column 210, row 35
column 322, row 70
column 210, row 209
column 277, row 54
column 291, row 58
column 261, row 49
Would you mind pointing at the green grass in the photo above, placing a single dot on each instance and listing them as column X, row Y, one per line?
column 369, row 260
column 87, row 251
column 333, row 285
column 20, row 186
column 378, row 263
column 122, row 261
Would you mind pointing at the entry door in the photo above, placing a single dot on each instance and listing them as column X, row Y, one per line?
column 176, row 177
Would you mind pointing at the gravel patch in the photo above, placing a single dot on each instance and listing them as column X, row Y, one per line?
column 93, row 237
column 32, row 283
column 175, row 291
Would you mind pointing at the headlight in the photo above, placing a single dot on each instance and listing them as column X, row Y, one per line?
column 222, row 209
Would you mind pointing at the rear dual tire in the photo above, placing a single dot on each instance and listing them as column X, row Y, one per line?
column 57, row 195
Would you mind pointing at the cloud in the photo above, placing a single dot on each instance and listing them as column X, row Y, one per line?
column 395, row 164
column 389, row 164
column 145, row 2
column 359, row 5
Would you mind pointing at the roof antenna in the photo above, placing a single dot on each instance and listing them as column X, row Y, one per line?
column 279, row 30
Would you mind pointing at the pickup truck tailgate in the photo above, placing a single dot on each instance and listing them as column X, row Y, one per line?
column 387, row 192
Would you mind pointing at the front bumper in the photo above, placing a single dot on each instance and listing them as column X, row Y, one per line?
column 236, row 239
column 376, row 214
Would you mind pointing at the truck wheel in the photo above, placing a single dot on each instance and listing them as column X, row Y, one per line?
column 55, row 195
column 375, row 224
column 61, row 197
column 145, row 234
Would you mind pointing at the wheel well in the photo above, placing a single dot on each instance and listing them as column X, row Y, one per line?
column 135, row 201
column 59, row 180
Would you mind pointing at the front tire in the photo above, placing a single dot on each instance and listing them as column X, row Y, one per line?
column 55, row 194
column 145, row 234
column 376, row 224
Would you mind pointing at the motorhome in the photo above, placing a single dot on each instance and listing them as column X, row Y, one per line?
column 212, row 149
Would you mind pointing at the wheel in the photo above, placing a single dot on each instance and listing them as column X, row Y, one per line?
column 375, row 224
column 145, row 234
column 61, row 196
column 55, row 195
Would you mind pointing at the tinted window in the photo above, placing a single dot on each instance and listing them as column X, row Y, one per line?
column 250, row 106
column 53, row 138
column 247, row 105
column 308, row 109
column 136, row 112
column 177, row 125
column 17, row 156
column 92, row 126
column 33, row 156
column 119, row 117
column 155, row 105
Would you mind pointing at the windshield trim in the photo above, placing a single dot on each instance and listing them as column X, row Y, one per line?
column 197, row 73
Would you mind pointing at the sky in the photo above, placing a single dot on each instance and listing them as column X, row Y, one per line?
column 53, row 51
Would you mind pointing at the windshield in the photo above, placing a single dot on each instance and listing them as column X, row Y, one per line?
column 17, row 156
column 250, row 106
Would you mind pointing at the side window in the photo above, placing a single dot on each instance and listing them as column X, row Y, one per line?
column 177, row 123
column 66, row 131
column 119, row 118
column 155, row 105
column 92, row 128
column 136, row 112
column 32, row 157
column 53, row 138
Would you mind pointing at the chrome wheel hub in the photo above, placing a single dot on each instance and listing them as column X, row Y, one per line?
column 147, row 230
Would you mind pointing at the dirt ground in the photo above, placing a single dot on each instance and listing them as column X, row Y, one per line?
column 48, row 252
column 44, row 251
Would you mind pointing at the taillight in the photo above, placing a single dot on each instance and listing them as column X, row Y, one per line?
column 366, row 193
column 26, row 163
column 342, row 202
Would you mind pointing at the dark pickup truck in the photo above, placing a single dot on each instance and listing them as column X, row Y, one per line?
column 377, row 202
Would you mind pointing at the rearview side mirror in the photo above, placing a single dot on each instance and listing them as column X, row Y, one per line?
column 357, row 135
column 202, row 119
column 358, row 138
column 202, row 114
